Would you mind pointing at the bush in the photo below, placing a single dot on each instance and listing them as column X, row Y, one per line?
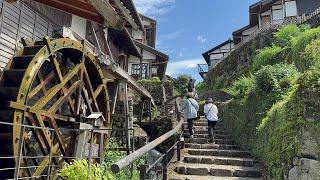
column 267, row 56
column 300, row 42
column 79, row 170
column 275, row 78
column 220, row 83
column 284, row 35
column 310, row 57
column 241, row 87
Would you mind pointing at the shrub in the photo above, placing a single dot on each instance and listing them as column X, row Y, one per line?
column 274, row 78
column 78, row 169
column 267, row 56
column 241, row 87
column 284, row 35
column 220, row 83
column 300, row 42
column 310, row 57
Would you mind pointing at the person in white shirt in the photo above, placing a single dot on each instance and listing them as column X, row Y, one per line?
column 211, row 113
column 191, row 109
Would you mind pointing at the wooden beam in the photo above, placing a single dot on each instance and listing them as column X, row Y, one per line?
column 126, row 13
column 109, row 14
column 76, row 9
column 122, row 74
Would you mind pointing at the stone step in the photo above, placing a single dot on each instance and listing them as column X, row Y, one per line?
column 217, row 170
column 212, row 146
column 217, row 136
column 204, row 123
column 186, row 132
column 247, row 162
column 219, row 152
column 195, row 177
column 205, row 141
column 204, row 128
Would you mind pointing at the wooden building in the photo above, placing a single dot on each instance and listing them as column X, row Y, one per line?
column 214, row 56
column 267, row 13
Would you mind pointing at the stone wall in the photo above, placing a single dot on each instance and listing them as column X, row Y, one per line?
column 239, row 60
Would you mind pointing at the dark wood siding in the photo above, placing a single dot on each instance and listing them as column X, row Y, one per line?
column 307, row 6
column 18, row 21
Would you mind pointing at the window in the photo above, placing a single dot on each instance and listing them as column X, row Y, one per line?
column 154, row 70
column 135, row 69
column 291, row 8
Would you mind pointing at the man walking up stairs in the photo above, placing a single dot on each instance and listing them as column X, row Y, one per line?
column 222, row 159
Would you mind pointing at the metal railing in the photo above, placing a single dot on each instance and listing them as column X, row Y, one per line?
column 14, row 171
column 203, row 68
column 164, row 159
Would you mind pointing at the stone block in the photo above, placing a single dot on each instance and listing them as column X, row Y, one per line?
column 307, row 169
column 197, row 171
column 206, row 161
column 221, row 172
column 181, row 170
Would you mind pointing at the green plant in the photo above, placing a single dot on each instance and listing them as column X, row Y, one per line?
column 267, row 56
column 284, row 35
column 220, row 83
column 310, row 57
column 241, row 87
column 275, row 78
column 113, row 155
column 300, row 42
column 78, row 169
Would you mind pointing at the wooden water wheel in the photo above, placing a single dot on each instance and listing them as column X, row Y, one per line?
column 49, row 84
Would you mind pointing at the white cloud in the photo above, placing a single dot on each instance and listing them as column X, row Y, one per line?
column 171, row 36
column 154, row 7
column 178, row 67
column 201, row 38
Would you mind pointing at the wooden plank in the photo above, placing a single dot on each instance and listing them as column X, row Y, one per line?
column 6, row 49
column 5, row 54
column 14, row 7
column 9, row 32
column 7, row 43
column 10, row 22
column 12, row 15
column 9, row 27
column 27, row 27
column 8, row 38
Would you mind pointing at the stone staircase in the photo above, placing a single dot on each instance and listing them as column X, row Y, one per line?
column 222, row 159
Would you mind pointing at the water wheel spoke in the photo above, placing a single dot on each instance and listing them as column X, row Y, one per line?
column 89, row 87
column 57, row 134
column 53, row 91
column 98, row 91
column 66, row 97
column 87, row 100
column 46, row 161
column 42, row 85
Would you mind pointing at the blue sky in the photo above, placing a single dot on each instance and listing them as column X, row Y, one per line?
column 187, row 28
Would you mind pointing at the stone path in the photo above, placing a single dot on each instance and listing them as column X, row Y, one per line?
column 223, row 159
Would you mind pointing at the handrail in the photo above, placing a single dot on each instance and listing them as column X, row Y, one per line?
column 125, row 162
column 130, row 159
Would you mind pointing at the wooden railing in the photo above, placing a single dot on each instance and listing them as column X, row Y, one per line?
column 164, row 158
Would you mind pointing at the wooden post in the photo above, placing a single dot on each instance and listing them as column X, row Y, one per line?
column 164, row 164
column 178, row 150
column 143, row 172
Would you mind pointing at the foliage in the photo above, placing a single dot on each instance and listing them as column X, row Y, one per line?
column 267, row 56
column 79, row 170
column 284, row 35
column 274, row 78
column 275, row 105
column 151, row 81
column 300, row 42
column 201, row 88
column 241, row 87
column 181, row 83
column 220, row 83
column 113, row 156
column 310, row 57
